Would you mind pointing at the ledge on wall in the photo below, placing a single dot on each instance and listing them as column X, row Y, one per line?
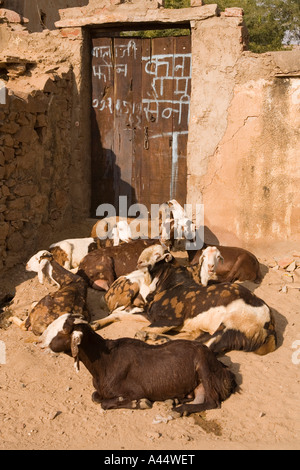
column 288, row 62
column 10, row 16
column 74, row 17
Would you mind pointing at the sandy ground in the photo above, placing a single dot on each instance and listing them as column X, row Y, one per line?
column 45, row 404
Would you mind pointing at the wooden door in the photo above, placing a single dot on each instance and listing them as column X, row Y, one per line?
column 140, row 114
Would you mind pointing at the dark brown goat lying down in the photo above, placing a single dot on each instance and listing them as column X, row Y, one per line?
column 101, row 267
column 125, row 371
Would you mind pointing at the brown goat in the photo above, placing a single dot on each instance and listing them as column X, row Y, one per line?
column 142, row 226
column 238, row 264
column 101, row 267
column 127, row 371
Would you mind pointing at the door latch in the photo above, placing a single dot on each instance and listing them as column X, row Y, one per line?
column 146, row 138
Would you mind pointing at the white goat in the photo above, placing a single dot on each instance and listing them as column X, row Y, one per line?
column 208, row 263
column 68, row 253
column 39, row 263
column 121, row 232
column 175, row 225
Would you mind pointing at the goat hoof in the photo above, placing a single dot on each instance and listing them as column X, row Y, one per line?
column 144, row 404
column 161, row 340
column 18, row 322
column 141, row 335
column 94, row 326
column 180, row 410
column 170, row 402
column 152, row 336
column 96, row 398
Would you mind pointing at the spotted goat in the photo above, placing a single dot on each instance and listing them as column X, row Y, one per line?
column 69, row 298
column 225, row 316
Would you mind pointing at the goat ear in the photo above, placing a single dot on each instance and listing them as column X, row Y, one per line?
column 46, row 270
column 75, row 342
column 68, row 325
column 201, row 259
column 115, row 235
column 43, row 270
column 168, row 257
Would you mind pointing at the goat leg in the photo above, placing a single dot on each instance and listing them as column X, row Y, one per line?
column 18, row 322
column 141, row 404
column 117, row 316
column 96, row 398
column 98, row 324
column 153, row 337
column 144, row 404
column 154, row 333
column 189, row 408
column 237, row 272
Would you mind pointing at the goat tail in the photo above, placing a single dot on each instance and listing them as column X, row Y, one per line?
column 217, row 379
column 221, row 384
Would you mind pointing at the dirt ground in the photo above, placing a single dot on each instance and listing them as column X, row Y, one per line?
column 45, row 404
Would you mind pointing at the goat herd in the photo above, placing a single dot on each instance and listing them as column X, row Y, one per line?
column 193, row 312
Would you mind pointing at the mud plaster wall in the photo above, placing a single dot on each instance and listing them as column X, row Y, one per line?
column 244, row 158
column 260, row 154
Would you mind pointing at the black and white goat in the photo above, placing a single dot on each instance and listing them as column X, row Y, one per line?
column 224, row 316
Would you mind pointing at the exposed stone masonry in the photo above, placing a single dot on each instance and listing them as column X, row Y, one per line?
column 34, row 164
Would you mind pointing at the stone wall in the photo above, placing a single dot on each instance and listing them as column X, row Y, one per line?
column 44, row 140
column 42, row 14
column 34, row 164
